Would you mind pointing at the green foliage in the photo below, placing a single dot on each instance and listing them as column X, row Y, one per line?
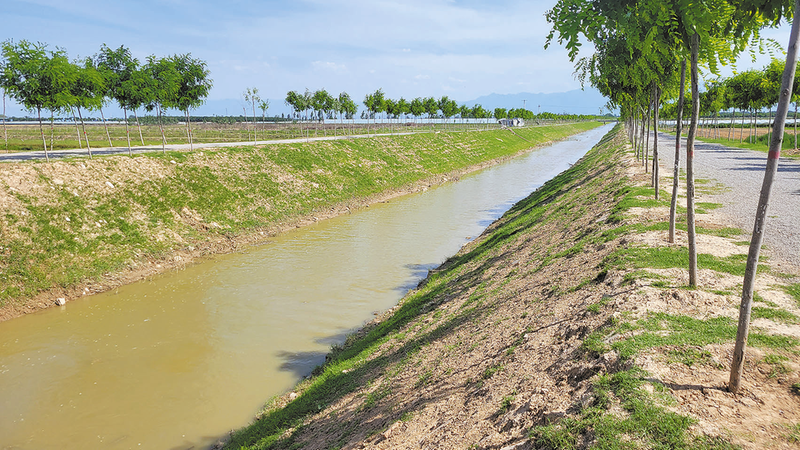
column 647, row 423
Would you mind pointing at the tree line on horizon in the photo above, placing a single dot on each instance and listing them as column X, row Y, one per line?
column 320, row 105
column 41, row 78
column 642, row 48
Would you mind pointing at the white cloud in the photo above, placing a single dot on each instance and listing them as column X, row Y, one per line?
column 329, row 66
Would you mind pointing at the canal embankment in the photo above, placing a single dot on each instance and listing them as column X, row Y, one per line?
column 566, row 324
column 72, row 228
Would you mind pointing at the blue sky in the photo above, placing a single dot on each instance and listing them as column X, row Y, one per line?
column 460, row 48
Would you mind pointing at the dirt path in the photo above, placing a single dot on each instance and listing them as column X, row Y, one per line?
column 57, row 154
column 742, row 173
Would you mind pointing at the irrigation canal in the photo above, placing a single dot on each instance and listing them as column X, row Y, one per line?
column 177, row 361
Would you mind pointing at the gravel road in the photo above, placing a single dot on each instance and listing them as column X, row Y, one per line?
column 742, row 171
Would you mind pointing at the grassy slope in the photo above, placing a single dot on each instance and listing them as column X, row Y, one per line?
column 560, row 273
column 71, row 221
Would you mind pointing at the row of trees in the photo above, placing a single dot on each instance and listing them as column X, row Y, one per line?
column 320, row 105
column 749, row 91
column 641, row 52
column 43, row 79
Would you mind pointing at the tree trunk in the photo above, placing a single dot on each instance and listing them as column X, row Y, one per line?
column 690, row 164
column 138, row 125
column 52, row 130
column 5, row 132
column 741, row 132
column 795, row 127
column 255, row 130
column 646, row 130
column 77, row 130
column 41, row 130
column 189, row 130
column 161, row 128
column 761, row 212
column 85, row 136
column 675, row 172
column 108, row 135
column 769, row 125
column 635, row 139
column 656, row 101
column 730, row 129
column 127, row 131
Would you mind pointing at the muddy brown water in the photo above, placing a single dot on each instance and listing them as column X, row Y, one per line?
column 177, row 361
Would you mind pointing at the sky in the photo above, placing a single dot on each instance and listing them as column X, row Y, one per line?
column 411, row 48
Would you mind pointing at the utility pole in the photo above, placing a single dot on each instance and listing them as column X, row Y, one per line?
column 523, row 104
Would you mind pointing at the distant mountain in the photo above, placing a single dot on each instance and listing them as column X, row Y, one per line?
column 588, row 101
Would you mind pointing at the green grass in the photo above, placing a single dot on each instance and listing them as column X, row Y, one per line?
column 646, row 422
column 689, row 356
column 661, row 330
column 794, row 291
column 595, row 307
column 775, row 314
column 671, row 257
column 794, row 433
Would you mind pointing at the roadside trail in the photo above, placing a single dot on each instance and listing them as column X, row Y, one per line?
column 742, row 172
column 57, row 154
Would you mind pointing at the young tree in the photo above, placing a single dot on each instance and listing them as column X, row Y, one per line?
column 5, row 132
column 745, row 308
column 403, row 107
column 86, row 91
column 118, row 68
column 417, row 107
column 679, row 127
column 448, row 107
column 391, row 112
column 378, row 104
column 30, row 77
column 192, row 87
column 431, row 108
column 165, row 83
column 347, row 106
column 263, row 105
column 251, row 96
column 375, row 103
column 295, row 101
column 140, row 91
